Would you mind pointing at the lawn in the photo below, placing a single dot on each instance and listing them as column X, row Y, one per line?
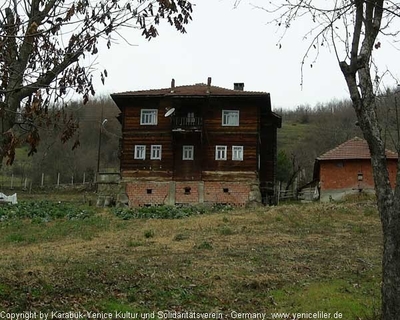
column 295, row 258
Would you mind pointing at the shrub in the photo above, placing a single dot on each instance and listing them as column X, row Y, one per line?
column 44, row 211
column 158, row 212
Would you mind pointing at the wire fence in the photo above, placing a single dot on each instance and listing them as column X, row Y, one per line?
column 13, row 181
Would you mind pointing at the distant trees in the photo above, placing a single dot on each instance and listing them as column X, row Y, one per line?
column 54, row 157
column 315, row 130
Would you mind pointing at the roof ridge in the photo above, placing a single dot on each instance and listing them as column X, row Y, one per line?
column 189, row 89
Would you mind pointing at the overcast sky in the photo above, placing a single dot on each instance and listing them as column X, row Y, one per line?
column 230, row 45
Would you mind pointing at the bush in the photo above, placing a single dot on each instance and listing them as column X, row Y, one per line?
column 44, row 211
column 158, row 212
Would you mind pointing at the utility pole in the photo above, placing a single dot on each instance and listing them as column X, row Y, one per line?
column 99, row 145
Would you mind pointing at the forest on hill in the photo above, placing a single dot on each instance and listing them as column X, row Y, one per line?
column 306, row 133
column 97, row 148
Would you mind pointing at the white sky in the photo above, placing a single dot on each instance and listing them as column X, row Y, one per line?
column 230, row 45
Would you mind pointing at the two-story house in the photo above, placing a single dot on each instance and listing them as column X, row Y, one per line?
column 197, row 144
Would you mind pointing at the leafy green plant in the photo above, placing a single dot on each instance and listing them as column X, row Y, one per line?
column 168, row 212
column 205, row 245
column 148, row 234
column 226, row 231
column 44, row 211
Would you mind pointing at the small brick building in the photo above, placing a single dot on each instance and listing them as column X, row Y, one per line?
column 197, row 144
column 347, row 169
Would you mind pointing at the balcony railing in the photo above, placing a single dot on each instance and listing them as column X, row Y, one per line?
column 186, row 122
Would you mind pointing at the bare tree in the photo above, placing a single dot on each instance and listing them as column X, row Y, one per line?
column 351, row 28
column 42, row 43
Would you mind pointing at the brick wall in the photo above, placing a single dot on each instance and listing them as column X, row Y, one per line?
column 233, row 193
column 147, row 193
column 141, row 193
column 335, row 175
column 187, row 192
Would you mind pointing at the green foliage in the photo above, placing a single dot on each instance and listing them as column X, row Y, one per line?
column 158, row 212
column 205, row 245
column 44, row 211
column 226, row 231
column 148, row 234
column 284, row 167
column 168, row 212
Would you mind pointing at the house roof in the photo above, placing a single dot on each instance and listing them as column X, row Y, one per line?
column 200, row 89
column 355, row 148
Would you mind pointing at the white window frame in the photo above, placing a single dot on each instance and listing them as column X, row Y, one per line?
column 187, row 152
column 233, row 114
column 140, row 152
column 221, row 152
column 155, row 152
column 148, row 117
column 237, row 153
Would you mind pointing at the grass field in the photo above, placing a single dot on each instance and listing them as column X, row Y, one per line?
column 290, row 133
column 291, row 258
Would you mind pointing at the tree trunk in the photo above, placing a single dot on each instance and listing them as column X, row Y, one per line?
column 390, row 261
column 388, row 203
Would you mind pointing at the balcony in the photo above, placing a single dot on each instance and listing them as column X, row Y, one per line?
column 187, row 124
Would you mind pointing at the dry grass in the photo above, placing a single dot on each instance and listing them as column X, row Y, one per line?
column 293, row 258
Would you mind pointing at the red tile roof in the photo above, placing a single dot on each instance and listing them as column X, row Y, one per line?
column 200, row 89
column 355, row 148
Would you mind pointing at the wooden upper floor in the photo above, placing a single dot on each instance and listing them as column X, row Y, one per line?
column 184, row 132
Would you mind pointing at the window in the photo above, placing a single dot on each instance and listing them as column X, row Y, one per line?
column 237, row 153
column 155, row 152
column 230, row 117
column 220, row 152
column 140, row 152
column 188, row 153
column 148, row 116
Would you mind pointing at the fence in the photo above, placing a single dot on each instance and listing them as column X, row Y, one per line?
column 9, row 180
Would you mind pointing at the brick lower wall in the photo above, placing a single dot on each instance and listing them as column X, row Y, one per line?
column 147, row 193
column 232, row 193
column 187, row 192
column 143, row 193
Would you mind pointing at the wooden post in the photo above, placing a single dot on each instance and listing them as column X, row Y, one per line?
column 72, row 180
column 26, row 182
column 279, row 192
column 58, row 180
column 84, row 177
column 42, row 183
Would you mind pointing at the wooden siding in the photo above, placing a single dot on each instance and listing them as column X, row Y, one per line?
column 248, row 116
column 128, row 162
column 131, row 118
column 211, row 133
column 187, row 169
